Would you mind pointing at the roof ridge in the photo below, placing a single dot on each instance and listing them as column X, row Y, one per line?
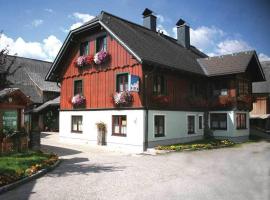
column 230, row 54
column 34, row 59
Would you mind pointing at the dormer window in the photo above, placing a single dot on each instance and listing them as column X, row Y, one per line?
column 84, row 48
column 101, row 43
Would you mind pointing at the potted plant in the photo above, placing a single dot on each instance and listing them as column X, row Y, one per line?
column 102, row 129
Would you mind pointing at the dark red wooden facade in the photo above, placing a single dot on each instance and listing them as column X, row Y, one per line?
column 99, row 82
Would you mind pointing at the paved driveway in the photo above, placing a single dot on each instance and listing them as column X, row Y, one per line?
column 87, row 173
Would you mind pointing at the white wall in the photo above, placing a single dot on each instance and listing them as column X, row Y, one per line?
column 135, row 127
column 231, row 131
column 176, row 128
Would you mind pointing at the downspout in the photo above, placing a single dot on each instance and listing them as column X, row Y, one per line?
column 145, row 144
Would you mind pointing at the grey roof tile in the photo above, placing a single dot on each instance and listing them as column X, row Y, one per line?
column 263, row 87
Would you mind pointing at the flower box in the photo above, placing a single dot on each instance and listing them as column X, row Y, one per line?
column 99, row 58
column 123, row 98
column 78, row 100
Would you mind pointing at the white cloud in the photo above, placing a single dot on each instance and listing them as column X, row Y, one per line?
column 46, row 50
column 162, row 29
column 232, row 46
column 48, row 10
column 263, row 57
column 160, row 18
column 37, row 22
column 80, row 18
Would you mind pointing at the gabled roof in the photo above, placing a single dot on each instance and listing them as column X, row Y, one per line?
column 263, row 87
column 154, row 48
column 7, row 92
column 230, row 64
column 145, row 45
column 29, row 76
column 53, row 102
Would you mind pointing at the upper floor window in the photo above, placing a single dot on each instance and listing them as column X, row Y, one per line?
column 159, row 87
column 122, row 82
column 78, row 87
column 243, row 87
column 101, row 43
column 84, row 48
column 220, row 88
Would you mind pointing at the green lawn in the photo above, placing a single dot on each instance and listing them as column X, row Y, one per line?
column 18, row 165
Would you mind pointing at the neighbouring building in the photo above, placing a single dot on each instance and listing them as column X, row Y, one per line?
column 28, row 75
column 148, row 88
column 260, row 115
column 12, row 104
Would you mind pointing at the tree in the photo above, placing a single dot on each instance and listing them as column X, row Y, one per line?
column 6, row 63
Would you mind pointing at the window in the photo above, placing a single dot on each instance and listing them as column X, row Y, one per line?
column 191, row 124
column 84, row 48
column 121, row 82
column 119, row 125
column 159, row 85
column 241, row 121
column 200, row 122
column 223, row 92
column 78, row 87
column 76, row 124
column 101, row 44
column 159, row 121
column 243, row 87
column 218, row 121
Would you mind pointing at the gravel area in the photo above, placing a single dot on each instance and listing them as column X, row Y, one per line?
column 96, row 173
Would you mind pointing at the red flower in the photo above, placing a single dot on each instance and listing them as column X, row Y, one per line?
column 89, row 60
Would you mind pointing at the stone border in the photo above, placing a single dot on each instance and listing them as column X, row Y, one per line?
column 15, row 184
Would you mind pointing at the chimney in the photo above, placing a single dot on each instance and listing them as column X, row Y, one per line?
column 183, row 35
column 149, row 20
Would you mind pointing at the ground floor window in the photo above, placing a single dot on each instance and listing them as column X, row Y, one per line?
column 76, row 123
column 200, row 122
column 191, row 124
column 119, row 125
column 241, row 121
column 218, row 121
column 159, row 121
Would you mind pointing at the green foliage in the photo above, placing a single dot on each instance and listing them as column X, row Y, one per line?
column 50, row 120
column 18, row 165
column 198, row 145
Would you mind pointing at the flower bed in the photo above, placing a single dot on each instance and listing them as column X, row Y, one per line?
column 20, row 165
column 122, row 98
column 198, row 145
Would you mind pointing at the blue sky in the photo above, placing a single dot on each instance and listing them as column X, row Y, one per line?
column 37, row 29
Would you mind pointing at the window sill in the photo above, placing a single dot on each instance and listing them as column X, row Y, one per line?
column 76, row 132
column 157, row 136
column 119, row 135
